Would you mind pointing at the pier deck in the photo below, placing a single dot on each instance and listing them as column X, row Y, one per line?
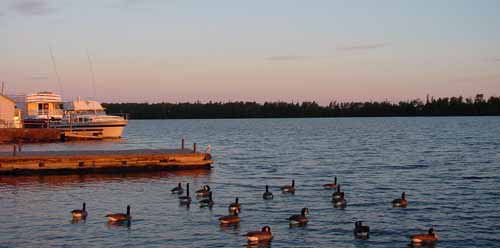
column 74, row 162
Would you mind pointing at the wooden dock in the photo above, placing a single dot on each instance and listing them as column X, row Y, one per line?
column 77, row 162
column 29, row 135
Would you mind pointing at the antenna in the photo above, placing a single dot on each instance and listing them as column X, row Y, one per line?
column 92, row 74
column 55, row 70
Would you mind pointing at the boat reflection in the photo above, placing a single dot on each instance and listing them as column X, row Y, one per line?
column 63, row 180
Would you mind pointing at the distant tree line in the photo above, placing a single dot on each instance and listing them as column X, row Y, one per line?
column 446, row 106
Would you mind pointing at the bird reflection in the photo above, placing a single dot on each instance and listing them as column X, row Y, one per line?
column 77, row 220
column 119, row 224
column 257, row 244
column 291, row 225
column 426, row 245
column 230, row 228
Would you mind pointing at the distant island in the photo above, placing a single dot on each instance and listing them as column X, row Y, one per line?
column 445, row 106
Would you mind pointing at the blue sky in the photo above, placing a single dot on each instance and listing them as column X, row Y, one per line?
column 175, row 50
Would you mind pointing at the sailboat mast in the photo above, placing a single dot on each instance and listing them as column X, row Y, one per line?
column 91, row 68
column 55, row 70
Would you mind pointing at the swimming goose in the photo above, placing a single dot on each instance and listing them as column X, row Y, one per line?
column 120, row 217
column 230, row 219
column 79, row 213
column 260, row 236
column 400, row 203
column 234, row 206
column 299, row 219
column 331, row 185
column 204, row 191
column 361, row 231
column 177, row 190
column 289, row 188
column 337, row 195
column 267, row 195
column 341, row 203
column 207, row 202
column 185, row 200
column 430, row 237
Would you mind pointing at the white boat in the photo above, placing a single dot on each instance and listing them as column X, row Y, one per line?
column 80, row 119
column 84, row 118
column 40, row 108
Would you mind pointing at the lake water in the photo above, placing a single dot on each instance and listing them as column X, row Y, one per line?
column 449, row 168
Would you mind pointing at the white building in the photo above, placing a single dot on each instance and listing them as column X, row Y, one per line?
column 10, row 116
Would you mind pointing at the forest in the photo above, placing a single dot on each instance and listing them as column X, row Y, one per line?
column 443, row 106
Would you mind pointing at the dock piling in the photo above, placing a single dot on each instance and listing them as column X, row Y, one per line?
column 14, row 149
column 194, row 147
column 182, row 144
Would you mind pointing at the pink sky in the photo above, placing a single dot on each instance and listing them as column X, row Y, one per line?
column 173, row 51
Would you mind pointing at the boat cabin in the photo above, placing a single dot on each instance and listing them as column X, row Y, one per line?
column 44, row 105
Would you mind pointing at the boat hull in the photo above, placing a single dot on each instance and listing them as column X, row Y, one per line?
column 96, row 130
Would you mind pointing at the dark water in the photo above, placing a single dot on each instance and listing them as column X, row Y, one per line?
column 449, row 168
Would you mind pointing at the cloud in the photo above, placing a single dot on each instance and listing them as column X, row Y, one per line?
column 31, row 7
column 39, row 76
column 296, row 57
column 287, row 58
column 477, row 78
column 127, row 4
column 361, row 47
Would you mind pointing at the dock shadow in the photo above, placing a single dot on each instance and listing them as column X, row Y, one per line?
column 61, row 180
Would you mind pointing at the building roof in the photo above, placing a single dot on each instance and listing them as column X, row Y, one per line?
column 44, row 97
column 8, row 98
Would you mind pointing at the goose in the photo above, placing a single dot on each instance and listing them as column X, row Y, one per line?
column 430, row 237
column 267, row 195
column 289, row 188
column 337, row 195
column 79, row 213
column 230, row 219
column 204, row 191
column 361, row 231
column 341, row 203
column 235, row 206
column 331, row 185
column 299, row 219
column 177, row 190
column 207, row 202
column 264, row 235
column 400, row 203
column 185, row 200
column 120, row 217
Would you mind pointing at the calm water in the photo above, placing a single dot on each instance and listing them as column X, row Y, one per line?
column 449, row 168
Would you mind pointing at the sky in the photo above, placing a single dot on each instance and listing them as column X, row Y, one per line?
column 259, row 50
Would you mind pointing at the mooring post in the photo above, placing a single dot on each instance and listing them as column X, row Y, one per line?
column 194, row 147
column 19, row 146
column 14, row 150
column 182, row 144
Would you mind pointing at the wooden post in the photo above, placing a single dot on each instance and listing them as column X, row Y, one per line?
column 14, row 150
column 194, row 147
column 19, row 146
column 182, row 145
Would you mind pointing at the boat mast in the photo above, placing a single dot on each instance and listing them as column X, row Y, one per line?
column 91, row 68
column 55, row 70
